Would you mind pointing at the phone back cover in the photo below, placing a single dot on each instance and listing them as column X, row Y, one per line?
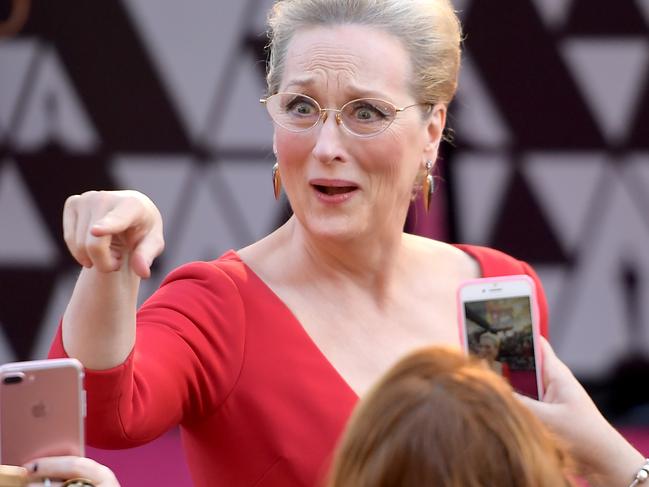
column 42, row 415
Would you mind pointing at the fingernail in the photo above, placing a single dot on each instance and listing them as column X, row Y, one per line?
column 31, row 467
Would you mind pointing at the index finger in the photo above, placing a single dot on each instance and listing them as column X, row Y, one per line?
column 119, row 219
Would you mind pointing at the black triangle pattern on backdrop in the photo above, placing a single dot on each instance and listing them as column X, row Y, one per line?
column 639, row 138
column 21, row 310
column 83, row 172
column 603, row 18
column 522, row 229
column 529, row 82
column 95, row 65
column 109, row 69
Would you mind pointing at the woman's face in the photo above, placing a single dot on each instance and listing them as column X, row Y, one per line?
column 487, row 349
column 339, row 185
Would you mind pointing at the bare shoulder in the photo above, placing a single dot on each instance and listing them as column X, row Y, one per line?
column 267, row 257
column 441, row 258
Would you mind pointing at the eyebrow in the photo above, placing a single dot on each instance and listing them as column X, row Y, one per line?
column 351, row 91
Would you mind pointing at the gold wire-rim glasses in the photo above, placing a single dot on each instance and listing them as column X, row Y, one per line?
column 304, row 122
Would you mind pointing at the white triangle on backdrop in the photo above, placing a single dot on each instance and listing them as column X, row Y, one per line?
column 475, row 116
column 644, row 7
column 594, row 332
column 553, row 12
column 612, row 74
column 24, row 239
column 637, row 173
column 204, row 232
column 18, row 54
column 162, row 178
column 480, row 181
column 553, row 278
column 6, row 352
column 243, row 121
column 192, row 46
column 251, row 186
column 565, row 185
column 54, row 111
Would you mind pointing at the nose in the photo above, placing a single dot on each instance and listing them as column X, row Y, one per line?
column 329, row 145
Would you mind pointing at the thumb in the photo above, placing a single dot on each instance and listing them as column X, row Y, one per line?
column 544, row 411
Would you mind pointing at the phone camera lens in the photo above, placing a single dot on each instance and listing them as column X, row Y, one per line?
column 12, row 379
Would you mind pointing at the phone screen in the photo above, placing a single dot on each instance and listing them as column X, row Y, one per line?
column 500, row 331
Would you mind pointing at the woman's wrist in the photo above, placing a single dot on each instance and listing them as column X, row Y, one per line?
column 621, row 468
column 641, row 475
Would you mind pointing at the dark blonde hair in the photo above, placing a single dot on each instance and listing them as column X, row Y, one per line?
column 428, row 29
column 440, row 419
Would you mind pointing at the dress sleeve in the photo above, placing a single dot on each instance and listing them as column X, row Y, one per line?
column 187, row 358
column 496, row 263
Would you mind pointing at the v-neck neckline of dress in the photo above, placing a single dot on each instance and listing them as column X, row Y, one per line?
column 295, row 321
column 298, row 324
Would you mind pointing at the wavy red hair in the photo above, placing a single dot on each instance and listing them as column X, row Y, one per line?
column 438, row 418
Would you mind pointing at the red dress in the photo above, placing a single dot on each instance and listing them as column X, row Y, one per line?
column 220, row 354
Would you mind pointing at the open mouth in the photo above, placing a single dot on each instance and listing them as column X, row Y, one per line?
column 333, row 190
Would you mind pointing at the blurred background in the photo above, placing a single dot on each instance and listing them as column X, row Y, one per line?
column 549, row 162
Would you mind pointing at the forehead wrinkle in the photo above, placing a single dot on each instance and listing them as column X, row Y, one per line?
column 318, row 61
column 321, row 60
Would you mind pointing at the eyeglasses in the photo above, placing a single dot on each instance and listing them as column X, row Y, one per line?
column 364, row 117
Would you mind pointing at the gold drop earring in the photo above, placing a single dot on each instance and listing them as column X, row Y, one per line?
column 428, row 187
column 277, row 181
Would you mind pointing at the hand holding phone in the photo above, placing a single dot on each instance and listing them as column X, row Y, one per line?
column 499, row 323
column 42, row 409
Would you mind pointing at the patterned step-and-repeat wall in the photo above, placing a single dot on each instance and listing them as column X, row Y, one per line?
column 550, row 161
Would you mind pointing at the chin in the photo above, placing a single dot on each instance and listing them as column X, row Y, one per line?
column 339, row 228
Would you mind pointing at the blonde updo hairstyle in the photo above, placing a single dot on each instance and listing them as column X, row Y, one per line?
column 428, row 29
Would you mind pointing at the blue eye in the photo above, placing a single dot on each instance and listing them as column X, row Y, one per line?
column 367, row 111
column 301, row 106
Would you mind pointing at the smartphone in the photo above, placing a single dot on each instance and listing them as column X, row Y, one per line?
column 42, row 410
column 499, row 322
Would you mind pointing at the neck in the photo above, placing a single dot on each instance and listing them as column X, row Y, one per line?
column 370, row 262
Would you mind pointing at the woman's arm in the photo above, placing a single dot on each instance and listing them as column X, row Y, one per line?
column 114, row 235
column 604, row 456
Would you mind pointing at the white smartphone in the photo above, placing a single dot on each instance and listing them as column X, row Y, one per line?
column 499, row 322
column 42, row 410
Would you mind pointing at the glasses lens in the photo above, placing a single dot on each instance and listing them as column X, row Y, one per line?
column 368, row 116
column 293, row 111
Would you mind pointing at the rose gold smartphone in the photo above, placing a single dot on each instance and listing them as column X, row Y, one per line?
column 499, row 323
column 42, row 410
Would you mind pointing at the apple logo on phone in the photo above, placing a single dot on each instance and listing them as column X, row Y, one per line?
column 39, row 410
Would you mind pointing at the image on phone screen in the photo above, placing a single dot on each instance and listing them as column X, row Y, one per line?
column 500, row 331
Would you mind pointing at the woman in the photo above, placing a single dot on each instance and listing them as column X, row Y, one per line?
column 440, row 419
column 488, row 349
column 479, row 434
column 261, row 354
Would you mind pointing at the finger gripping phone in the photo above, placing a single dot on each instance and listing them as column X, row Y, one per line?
column 499, row 322
column 42, row 409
